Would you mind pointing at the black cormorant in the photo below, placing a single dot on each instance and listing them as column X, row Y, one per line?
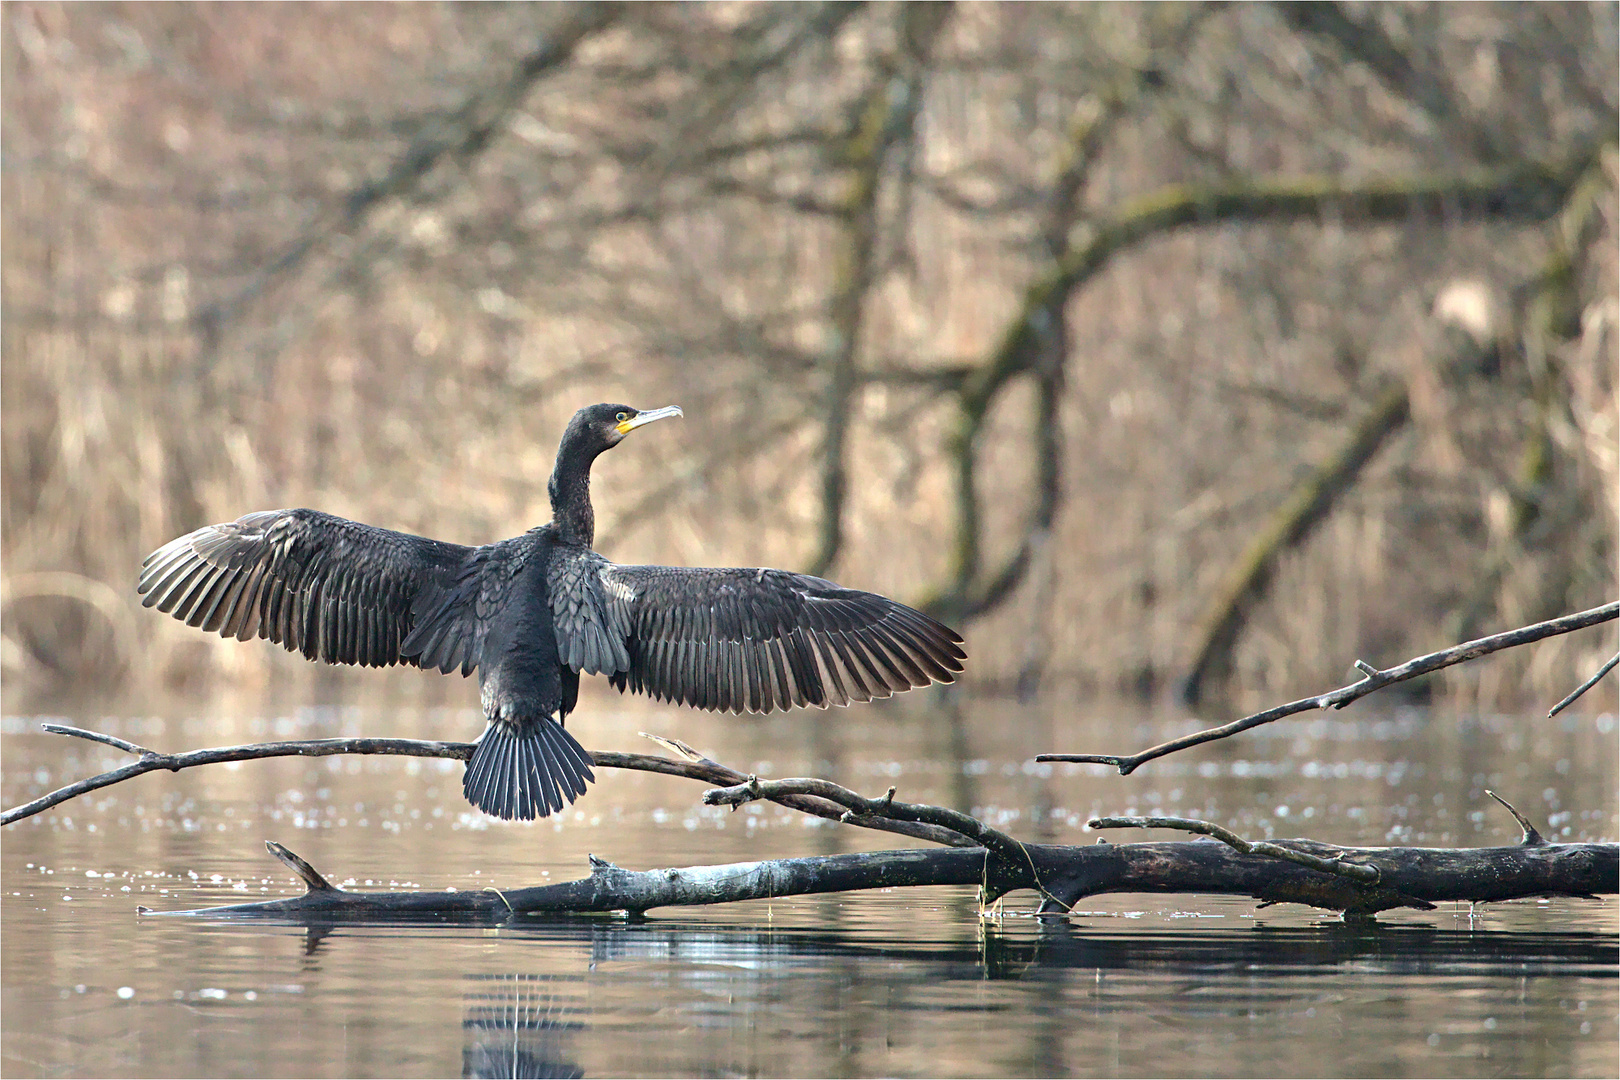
column 533, row 612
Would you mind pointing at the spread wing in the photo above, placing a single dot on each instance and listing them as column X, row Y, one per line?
column 332, row 589
column 736, row 640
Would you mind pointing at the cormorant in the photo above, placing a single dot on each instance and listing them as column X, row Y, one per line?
column 533, row 612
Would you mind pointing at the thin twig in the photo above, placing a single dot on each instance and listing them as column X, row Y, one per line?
column 864, row 811
column 154, row 762
column 860, row 809
column 96, row 736
column 1365, row 873
column 1585, row 686
column 1374, row 679
column 312, row 878
column 1531, row 836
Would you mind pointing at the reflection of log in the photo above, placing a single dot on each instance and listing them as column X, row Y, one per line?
column 1308, row 505
column 1409, row 877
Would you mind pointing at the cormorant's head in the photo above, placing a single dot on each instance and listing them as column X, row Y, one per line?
column 602, row 426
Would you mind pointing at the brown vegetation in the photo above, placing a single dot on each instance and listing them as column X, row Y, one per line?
column 1038, row 314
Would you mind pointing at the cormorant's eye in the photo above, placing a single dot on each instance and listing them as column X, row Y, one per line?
column 622, row 417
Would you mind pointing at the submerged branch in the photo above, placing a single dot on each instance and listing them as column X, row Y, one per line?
column 1362, row 872
column 1374, row 679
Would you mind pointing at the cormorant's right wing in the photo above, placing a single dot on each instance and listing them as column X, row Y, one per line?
column 330, row 588
column 735, row 640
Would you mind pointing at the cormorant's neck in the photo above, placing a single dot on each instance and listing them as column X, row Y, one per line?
column 570, row 488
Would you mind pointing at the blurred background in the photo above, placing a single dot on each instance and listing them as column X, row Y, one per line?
column 1165, row 349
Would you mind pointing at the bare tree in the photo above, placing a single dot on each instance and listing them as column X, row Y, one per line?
column 1089, row 325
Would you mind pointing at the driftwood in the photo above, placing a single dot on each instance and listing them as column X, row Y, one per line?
column 1062, row 875
column 1358, row 882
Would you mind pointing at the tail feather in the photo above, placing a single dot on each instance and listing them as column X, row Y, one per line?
column 527, row 770
column 535, row 769
column 571, row 765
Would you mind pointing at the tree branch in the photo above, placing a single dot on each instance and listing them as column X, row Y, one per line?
column 1531, row 189
column 861, row 810
column 460, row 135
column 1374, row 679
column 1307, row 506
column 1295, row 871
column 1584, row 687
column 885, row 119
column 697, row 767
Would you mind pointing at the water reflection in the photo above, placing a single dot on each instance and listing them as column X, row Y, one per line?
column 519, row 1026
column 891, row 983
column 1026, row 947
column 681, row 997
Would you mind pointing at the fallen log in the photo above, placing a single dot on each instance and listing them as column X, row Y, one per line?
column 1061, row 874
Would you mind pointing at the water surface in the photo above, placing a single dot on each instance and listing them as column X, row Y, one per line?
column 907, row 982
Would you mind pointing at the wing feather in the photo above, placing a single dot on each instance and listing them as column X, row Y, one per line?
column 735, row 640
column 329, row 588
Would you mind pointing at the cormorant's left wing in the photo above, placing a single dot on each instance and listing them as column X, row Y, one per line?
column 333, row 589
column 736, row 640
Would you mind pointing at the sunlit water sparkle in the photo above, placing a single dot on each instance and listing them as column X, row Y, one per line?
column 893, row 983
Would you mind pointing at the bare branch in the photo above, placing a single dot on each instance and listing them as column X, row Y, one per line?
column 1375, row 680
column 1584, row 687
column 96, row 736
column 1531, row 836
column 152, row 762
column 699, row 768
column 861, row 810
column 1307, row 506
column 311, row 877
column 461, row 135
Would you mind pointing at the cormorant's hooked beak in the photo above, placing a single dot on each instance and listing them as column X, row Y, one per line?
column 625, row 427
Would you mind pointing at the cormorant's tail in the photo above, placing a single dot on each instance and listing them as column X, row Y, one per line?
column 526, row 770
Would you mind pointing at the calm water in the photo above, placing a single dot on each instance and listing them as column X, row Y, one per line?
column 894, row 983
